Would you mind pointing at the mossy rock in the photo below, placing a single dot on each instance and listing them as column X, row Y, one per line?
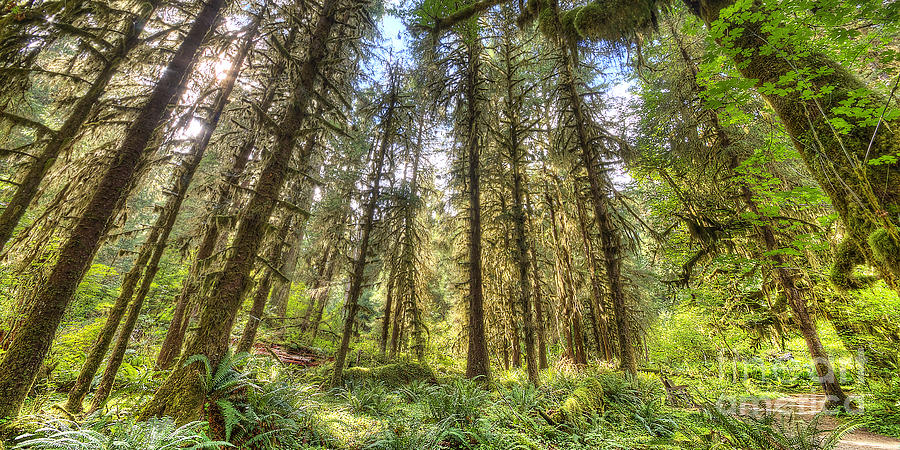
column 392, row 375
column 585, row 401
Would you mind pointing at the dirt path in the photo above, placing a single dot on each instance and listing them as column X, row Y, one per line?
column 805, row 406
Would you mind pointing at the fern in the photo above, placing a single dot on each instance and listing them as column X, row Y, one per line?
column 154, row 434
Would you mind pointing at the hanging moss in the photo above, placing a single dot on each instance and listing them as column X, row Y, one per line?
column 392, row 375
column 599, row 20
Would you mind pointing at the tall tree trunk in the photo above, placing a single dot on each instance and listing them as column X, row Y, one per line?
column 20, row 364
column 368, row 224
column 396, row 329
column 101, row 345
column 477, row 362
column 409, row 252
column 182, row 394
column 388, row 306
column 610, row 240
column 785, row 277
column 166, row 221
column 159, row 233
column 314, row 296
column 540, row 333
column 323, row 291
column 171, row 346
column 598, row 319
column 282, row 287
column 520, row 252
column 31, row 180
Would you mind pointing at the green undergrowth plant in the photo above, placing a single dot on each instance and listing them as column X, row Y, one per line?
column 392, row 375
column 459, row 401
column 369, row 397
column 102, row 434
column 225, row 387
column 720, row 430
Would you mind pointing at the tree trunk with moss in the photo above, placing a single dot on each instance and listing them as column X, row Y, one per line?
column 182, row 394
column 785, row 277
column 388, row 307
column 281, row 287
column 101, row 345
column 540, row 333
column 387, row 130
column 30, row 182
column 598, row 319
column 263, row 288
column 867, row 196
column 323, row 291
column 599, row 186
column 515, row 135
column 160, row 232
column 20, row 364
column 222, row 201
column 477, row 362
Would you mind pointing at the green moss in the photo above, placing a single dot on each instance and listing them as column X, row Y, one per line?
column 847, row 257
column 885, row 247
column 586, row 400
column 392, row 375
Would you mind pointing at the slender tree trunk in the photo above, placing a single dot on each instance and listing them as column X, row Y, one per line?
column 166, row 221
column 477, row 362
column 324, row 291
column 598, row 319
column 540, row 334
column 795, row 297
column 261, row 296
column 388, row 305
column 101, row 345
column 182, row 394
column 172, row 343
column 610, row 239
column 314, row 296
column 31, row 180
column 158, row 236
column 282, row 287
column 520, row 253
column 396, row 329
column 20, row 364
column 368, row 224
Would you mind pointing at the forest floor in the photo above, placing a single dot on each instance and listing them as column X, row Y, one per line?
column 807, row 406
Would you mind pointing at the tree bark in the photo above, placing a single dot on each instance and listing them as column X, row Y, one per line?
column 31, row 180
column 598, row 319
column 388, row 306
column 477, row 362
column 261, row 296
column 866, row 196
column 368, row 224
column 540, row 333
column 182, row 394
column 610, row 240
column 20, row 364
column 766, row 233
column 172, row 343
column 159, row 234
column 324, row 291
